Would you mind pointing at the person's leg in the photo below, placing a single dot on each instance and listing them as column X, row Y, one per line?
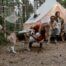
column 62, row 36
column 55, row 39
column 13, row 49
column 47, row 38
column 55, row 35
column 40, row 45
column 65, row 36
column 12, row 41
column 30, row 44
column 31, row 40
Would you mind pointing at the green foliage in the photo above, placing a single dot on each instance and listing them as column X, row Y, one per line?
column 9, row 26
column 1, row 20
column 27, row 10
column 3, row 40
column 63, row 2
column 41, row 2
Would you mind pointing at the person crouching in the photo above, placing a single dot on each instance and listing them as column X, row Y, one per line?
column 38, row 37
column 54, row 28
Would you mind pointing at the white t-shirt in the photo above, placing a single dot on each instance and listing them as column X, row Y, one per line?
column 58, row 26
column 59, row 23
column 55, row 24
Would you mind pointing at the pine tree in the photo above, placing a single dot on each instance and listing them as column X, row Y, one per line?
column 62, row 2
column 27, row 9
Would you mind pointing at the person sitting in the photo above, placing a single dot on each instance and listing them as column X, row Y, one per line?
column 53, row 28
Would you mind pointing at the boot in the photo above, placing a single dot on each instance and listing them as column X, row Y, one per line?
column 30, row 45
column 40, row 45
column 13, row 50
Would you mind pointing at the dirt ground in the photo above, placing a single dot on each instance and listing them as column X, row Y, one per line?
column 50, row 55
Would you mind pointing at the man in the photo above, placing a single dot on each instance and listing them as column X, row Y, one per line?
column 38, row 37
column 60, row 23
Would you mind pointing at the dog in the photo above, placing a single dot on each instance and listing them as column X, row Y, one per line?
column 21, row 36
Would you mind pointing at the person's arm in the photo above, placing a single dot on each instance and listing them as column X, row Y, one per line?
column 62, row 24
column 40, row 28
column 36, row 36
column 54, row 25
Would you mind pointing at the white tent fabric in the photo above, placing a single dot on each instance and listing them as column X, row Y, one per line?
column 44, row 12
column 12, row 18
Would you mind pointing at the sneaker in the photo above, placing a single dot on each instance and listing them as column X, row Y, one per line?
column 12, row 49
column 56, row 41
column 29, row 49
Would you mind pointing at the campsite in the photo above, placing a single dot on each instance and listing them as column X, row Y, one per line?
column 33, row 33
column 44, row 16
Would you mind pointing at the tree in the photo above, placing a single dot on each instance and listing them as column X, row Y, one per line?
column 62, row 2
column 27, row 9
column 41, row 2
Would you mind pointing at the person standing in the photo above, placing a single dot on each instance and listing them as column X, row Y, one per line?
column 60, row 22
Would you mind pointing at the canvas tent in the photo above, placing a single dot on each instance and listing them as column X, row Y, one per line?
column 44, row 12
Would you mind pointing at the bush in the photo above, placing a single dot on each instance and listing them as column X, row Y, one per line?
column 3, row 40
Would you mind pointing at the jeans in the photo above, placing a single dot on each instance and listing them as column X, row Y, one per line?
column 55, row 34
